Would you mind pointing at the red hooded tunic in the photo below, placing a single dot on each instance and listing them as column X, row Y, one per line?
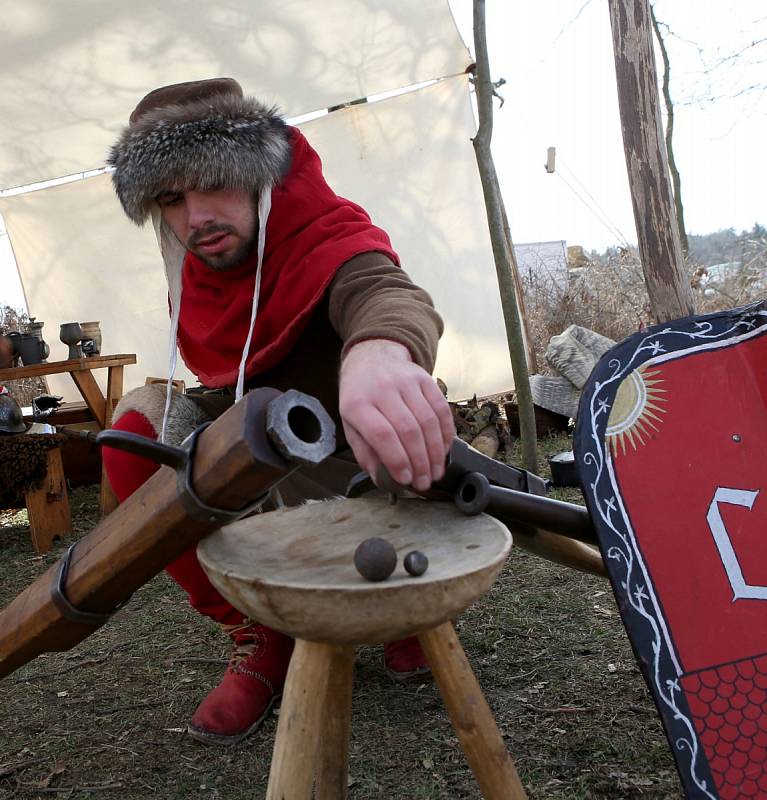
column 310, row 233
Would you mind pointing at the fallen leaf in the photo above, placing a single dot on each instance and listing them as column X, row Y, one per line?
column 49, row 778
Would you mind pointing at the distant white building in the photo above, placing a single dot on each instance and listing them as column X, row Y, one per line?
column 543, row 268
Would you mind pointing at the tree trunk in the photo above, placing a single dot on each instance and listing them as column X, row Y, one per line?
column 501, row 253
column 659, row 246
column 675, row 177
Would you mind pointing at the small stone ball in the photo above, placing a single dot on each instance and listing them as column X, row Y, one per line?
column 375, row 559
column 416, row 563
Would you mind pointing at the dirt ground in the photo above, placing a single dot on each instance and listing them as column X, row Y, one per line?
column 107, row 719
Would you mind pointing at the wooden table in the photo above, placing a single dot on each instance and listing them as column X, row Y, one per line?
column 100, row 407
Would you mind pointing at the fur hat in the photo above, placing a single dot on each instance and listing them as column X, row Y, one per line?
column 198, row 135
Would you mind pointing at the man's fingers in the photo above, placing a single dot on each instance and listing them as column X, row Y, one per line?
column 395, row 414
column 363, row 453
column 431, row 430
column 441, row 407
column 377, row 430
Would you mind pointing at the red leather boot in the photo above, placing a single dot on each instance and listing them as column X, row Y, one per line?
column 252, row 683
column 405, row 660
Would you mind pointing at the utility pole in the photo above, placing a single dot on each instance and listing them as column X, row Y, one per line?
column 657, row 231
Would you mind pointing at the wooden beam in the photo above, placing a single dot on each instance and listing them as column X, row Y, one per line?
column 502, row 247
column 471, row 716
column 107, row 498
column 91, row 392
column 48, row 505
column 297, row 744
column 72, row 365
column 331, row 778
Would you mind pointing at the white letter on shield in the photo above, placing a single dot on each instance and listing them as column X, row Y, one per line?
column 735, row 497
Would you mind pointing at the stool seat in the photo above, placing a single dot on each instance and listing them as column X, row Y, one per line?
column 294, row 570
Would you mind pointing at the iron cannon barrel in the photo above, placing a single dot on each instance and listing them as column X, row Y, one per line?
column 476, row 494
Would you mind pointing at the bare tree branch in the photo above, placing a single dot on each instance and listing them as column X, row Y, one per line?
column 669, row 137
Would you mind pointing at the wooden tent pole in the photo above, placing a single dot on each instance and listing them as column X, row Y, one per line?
column 532, row 359
column 501, row 252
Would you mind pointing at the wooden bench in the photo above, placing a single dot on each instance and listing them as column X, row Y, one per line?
column 99, row 404
column 48, row 505
column 66, row 414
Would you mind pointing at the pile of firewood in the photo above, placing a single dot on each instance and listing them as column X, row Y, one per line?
column 491, row 424
column 482, row 425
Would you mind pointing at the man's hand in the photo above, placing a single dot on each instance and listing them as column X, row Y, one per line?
column 394, row 414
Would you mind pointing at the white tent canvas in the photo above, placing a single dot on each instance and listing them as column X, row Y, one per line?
column 72, row 70
column 403, row 159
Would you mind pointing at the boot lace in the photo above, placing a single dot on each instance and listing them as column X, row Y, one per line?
column 247, row 638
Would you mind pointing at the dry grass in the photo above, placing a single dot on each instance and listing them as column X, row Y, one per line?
column 106, row 719
column 609, row 296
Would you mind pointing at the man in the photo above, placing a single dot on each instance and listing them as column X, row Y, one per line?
column 273, row 280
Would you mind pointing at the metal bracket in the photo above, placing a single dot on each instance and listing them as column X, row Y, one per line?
column 461, row 460
column 297, row 426
column 182, row 460
column 64, row 605
column 190, row 500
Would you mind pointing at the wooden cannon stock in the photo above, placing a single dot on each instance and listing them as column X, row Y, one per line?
column 236, row 460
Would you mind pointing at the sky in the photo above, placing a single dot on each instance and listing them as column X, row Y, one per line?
column 557, row 60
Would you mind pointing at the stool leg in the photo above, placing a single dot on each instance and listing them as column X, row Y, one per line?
column 333, row 770
column 298, row 731
column 471, row 716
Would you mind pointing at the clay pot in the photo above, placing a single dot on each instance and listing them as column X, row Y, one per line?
column 92, row 331
column 35, row 328
column 13, row 337
column 31, row 349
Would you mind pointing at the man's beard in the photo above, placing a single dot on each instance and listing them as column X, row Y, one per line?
column 222, row 262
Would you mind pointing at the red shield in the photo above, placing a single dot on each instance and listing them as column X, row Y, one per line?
column 671, row 443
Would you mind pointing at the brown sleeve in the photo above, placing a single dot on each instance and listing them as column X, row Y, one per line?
column 372, row 298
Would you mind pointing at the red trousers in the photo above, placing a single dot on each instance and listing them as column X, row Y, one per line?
column 126, row 473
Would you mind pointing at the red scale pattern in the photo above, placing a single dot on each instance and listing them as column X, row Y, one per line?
column 729, row 706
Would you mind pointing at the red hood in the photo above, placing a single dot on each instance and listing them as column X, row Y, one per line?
column 310, row 233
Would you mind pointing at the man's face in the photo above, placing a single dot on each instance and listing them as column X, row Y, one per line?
column 219, row 226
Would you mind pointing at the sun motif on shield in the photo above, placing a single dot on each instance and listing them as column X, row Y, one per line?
column 636, row 409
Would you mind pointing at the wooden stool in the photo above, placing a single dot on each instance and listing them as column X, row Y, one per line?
column 293, row 570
